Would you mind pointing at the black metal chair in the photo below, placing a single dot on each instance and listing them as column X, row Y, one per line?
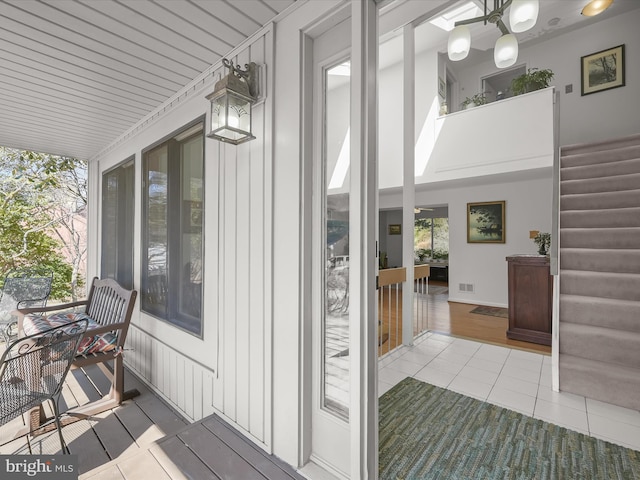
column 33, row 370
column 22, row 288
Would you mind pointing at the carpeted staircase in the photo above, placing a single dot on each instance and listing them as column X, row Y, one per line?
column 600, row 271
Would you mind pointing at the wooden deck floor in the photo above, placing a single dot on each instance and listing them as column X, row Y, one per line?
column 145, row 439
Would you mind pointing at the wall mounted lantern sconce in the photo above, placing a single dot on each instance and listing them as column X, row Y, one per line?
column 231, row 102
column 523, row 15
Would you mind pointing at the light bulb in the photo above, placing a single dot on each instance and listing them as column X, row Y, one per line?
column 505, row 52
column 233, row 121
column 459, row 43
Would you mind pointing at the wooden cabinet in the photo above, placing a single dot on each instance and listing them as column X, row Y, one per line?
column 439, row 272
column 530, row 298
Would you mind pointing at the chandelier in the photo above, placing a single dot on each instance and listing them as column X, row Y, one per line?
column 523, row 15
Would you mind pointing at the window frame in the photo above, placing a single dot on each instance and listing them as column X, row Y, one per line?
column 170, row 311
column 122, row 235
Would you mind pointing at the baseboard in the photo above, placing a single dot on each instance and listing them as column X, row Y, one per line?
column 477, row 302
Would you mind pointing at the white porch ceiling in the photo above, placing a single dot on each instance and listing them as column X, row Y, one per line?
column 77, row 74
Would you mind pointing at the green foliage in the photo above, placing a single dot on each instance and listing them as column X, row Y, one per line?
column 38, row 194
column 531, row 81
column 422, row 238
column 477, row 99
column 423, row 253
column 543, row 241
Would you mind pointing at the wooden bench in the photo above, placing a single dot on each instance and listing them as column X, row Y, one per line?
column 108, row 310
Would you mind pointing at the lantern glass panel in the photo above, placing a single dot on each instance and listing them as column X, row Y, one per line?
column 231, row 117
column 218, row 113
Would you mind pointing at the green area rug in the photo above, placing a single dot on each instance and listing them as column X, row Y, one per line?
column 428, row 432
column 491, row 311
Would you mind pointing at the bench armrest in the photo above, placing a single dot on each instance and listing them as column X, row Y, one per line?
column 21, row 312
column 51, row 308
column 104, row 329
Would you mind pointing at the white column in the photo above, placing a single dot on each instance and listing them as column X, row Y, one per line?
column 408, row 181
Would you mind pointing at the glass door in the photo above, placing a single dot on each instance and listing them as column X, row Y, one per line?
column 331, row 265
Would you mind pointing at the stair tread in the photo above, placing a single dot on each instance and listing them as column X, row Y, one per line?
column 588, row 329
column 630, row 229
column 598, row 366
column 604, row 218
column 615, row 384
column 598, row 170
column 601, row 145
column 609, row 345
column 600, row 200
column 613, row 301
column 627, row 275
column 614, row 183
column 616, row 313
column 601, row 194
column 600, row 259
column 623, row 286
column 605, row 252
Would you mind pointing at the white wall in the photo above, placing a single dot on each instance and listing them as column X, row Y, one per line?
column 229, row 369
column 248, row 365
column 599, row 116
column 528, row 207
column 391, row 244
column 512, row 135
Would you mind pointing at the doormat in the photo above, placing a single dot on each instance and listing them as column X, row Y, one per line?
column 491, row 311
column 427, row 432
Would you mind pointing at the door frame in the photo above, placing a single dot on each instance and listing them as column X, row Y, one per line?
column 363, row 408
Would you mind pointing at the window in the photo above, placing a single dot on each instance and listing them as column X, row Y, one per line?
column 172, row 228
column 431, row 238
column 498, row 85
column 117, row 223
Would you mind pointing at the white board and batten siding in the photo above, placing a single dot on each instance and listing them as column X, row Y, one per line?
column 229, row 370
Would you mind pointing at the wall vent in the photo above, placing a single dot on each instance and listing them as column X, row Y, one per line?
column 466, row 287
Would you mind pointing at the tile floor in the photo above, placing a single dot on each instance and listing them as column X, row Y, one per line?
column 513, row 379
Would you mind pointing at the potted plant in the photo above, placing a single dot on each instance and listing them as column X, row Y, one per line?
column 422, row 253
column 531, row 81
column 543, row 241
column 474, row 100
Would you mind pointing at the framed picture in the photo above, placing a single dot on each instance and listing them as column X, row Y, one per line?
column 441, row 88
column 192, row 216
column 485, row 222
column 602, row 70
column 395, row 229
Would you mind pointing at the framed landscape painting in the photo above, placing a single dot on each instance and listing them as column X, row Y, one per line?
column 602, row 70
column 395, row 229
column 485, row 222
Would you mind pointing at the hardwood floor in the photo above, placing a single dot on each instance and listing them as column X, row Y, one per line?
column 454, row 319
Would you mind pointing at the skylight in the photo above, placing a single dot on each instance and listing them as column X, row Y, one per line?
column 447, row 20
column 343, row 70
